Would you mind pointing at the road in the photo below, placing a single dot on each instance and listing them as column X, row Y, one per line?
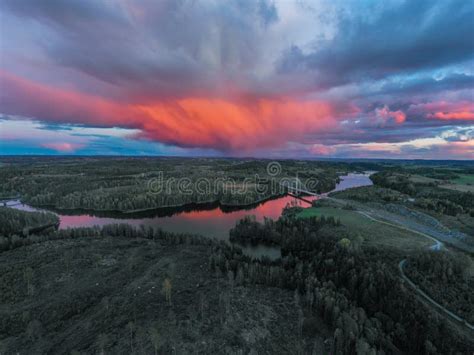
column 437, row 246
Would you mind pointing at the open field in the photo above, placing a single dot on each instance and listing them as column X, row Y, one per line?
column 465, row 179
column 423, row 179
column 463, row 183
column 372, row 232
column 459, row 187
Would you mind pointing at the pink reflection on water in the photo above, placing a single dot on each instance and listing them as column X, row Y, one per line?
column 215, row 222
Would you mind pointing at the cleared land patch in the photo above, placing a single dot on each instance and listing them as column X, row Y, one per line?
column 107, row 295
column 458, row 187
column 463, row 183
column 422, row 179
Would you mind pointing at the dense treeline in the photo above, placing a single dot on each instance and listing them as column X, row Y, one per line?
column 447, row 278
column 111, row 230
column 428, row 195
column 371, row 194
column 270, row 232
column 354, row 291
column 440, row 170
column 15, row 222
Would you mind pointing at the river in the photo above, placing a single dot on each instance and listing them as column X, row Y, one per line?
column 210, row 220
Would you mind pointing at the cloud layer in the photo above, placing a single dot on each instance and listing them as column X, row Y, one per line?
column 245, row 77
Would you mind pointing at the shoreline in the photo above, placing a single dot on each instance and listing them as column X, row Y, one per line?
column 190, row 206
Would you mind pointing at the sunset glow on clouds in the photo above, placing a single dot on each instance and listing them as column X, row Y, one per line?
column 62, row 147
column 289, row 79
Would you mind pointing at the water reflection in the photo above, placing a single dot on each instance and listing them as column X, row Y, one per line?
column 215, row 222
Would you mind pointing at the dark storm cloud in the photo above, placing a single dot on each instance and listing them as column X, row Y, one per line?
column 354, row 134
column 267, row 12
column 426, row 84
column 65, row 15
column 164, row 48
column 413, row 36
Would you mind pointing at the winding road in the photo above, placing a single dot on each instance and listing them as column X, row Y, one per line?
column 437, row 246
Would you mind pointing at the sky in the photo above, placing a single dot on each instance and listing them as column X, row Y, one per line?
column 262, row 78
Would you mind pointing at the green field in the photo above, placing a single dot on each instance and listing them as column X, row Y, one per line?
column 464, row 179
column 347, row 217
column 464, row 183
column 373, row 233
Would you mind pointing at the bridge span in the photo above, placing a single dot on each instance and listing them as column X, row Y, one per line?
column 296, row 188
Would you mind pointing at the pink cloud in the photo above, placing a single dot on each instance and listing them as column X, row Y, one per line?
column 384, row 115
column 232, row 124
column 320, row 149
column 461, row 150
column 463, row 115
column 443, row 110
column 63, row 146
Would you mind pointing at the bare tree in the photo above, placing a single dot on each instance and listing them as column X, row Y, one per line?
column 106, row 303
column 131, row 328
column 300, row 322
column 202, row 305
column 230, row 276
column 167, row 290
column 28, row 275
column 67, row 261
column 102, row 341
column 155, row 338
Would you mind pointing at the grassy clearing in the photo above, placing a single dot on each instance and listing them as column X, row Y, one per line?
column 464, row 183
column 373, row 233
column 419, row 179
column 347, row 217
column 459, row 187
column 464, row 179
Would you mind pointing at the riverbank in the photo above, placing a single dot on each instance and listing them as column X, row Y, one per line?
column 161, row 211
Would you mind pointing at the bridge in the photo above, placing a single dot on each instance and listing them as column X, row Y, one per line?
column 296, row 188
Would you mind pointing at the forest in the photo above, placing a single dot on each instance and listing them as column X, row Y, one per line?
column 21, row 223
column 249, row 231
column 429, row 195
column 136, row 184
column 446, row 278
